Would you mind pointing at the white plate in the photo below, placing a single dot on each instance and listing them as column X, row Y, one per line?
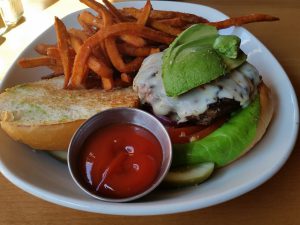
column 47, row 178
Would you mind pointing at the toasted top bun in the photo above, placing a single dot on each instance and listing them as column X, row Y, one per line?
column 45, row 116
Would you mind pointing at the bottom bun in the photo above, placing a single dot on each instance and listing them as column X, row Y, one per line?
column 43, row 137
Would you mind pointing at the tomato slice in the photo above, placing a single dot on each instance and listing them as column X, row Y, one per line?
column 180, row 135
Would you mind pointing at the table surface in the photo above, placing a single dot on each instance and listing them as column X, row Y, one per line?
column 275, row 202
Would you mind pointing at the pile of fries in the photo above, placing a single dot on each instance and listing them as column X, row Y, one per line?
column 113, row 43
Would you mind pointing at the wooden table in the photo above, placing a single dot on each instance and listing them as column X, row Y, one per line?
column 275, row 202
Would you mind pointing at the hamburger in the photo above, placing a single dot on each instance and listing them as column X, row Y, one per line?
column 213, row 103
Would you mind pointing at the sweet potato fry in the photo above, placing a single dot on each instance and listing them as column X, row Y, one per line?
column 114, row 30
column 133, row 12
column 80, row 68
column 133, row 40
column 131, row 28
column 165, row 27
column 126, row 78
column 113, row 53
column 53, row 52
column 100, row 9
column 37, row 61
column 134, row 65
column 114, row 11
column 42, row 48
column 129, row 50
column 107, row 83
column 97, row 51
column 154, row 50
column 145, row 13
column 102, row 48
column 78, row 33
column 63, row 48
column 174, row 22
column 95, row 64
column 110, row 42
column 159, row 14
column 114, row 42
column 86, row 27
column 89, row 19
column 99, row 67
column 238, row 21
column 116, row 58
column 108, row 19
column 142, row 18
column 187, row 17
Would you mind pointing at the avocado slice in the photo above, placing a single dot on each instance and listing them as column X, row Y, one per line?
column 234, row 63
column 227, row 45
column 197, row 56
column 187, row 74
column 193, row 33
column 223, row 145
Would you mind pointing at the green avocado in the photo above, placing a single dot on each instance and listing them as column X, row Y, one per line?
column 197, row 56
column 227, row 45
column 223, row 145
column 202, row 73
column 193, row 33
column 234, row 63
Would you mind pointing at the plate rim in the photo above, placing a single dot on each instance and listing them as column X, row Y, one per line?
column 193, row 205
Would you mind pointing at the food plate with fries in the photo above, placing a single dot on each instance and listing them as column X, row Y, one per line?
column 114, row 65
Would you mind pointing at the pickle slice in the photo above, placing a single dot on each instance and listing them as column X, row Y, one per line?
column 60, row 155
column 189, row 175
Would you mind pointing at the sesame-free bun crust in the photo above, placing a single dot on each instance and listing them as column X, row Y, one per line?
column 45, row 116
column 43, row 137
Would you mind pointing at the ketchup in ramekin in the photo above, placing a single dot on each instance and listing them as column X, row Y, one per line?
column 120, row 160
column 119, row 155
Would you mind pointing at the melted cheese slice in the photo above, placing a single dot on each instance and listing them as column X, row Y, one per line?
column 240, row 85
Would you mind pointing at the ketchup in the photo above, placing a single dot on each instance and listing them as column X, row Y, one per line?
column 120, row 160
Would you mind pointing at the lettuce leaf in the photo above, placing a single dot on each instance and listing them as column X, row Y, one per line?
column 223, row 145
